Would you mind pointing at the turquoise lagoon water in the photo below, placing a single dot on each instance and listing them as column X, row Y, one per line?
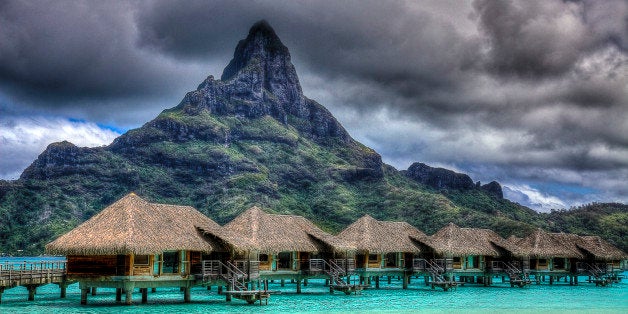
column 560, row 297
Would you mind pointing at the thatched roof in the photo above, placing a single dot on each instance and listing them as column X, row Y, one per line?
column 272, row 233
column 132, row 225
column 370, row 235
column 453, row 240
column 592, row 245
column 544, row 244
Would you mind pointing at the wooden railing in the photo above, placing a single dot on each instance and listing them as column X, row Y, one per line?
column 32, row 271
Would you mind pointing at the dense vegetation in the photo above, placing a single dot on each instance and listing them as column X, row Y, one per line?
column 277, row 169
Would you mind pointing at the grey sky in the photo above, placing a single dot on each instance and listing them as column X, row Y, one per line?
column 533, row 94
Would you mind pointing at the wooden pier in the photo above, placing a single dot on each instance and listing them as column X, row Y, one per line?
column 32, row 275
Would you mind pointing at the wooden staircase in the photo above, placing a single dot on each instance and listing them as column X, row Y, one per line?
column 599, row 272
column 336, row 269
column 516, row 275
column 236, row 278
column 437, row 269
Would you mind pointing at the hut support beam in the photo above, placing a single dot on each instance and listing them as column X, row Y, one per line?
column 144, row 295
column 63, row 286
column 376, row 282
column 32, row 290
column 128, row 291
column 283, row 282
column 405, row 281
column 93, row 290
column 118, row 294
column 1, row 292
column 186, row 294
column 299, row 286
column 84, row 292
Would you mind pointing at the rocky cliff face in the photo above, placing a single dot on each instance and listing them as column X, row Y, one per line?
column 444, row 179
column 439, row 178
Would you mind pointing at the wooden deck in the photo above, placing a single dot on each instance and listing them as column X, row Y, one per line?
column 32, row 275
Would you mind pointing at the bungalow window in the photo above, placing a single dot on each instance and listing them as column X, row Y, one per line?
column 285, row 260
column 541, row 263
column 140, row 260
column 263, row 258
column 373, row 258
column 457, row 263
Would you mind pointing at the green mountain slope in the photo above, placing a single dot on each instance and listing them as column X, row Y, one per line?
column 251, row 138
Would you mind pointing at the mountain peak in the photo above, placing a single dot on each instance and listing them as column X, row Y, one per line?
column 261, row 44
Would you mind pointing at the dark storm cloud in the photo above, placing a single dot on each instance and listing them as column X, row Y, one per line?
column 508, row 90
column 57, row 53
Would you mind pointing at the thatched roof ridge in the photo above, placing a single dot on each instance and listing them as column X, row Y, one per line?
column 453, row 240
column 132, row 225
column 274, row 233
column 543, row 244
column 370, row 235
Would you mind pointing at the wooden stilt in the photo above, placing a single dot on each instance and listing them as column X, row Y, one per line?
column 575, row 280
column 219, row 289
column 63, row 287
column 118, row 294
column 405, row 282
column 144, row 292
column 283, row 283
column 209, row 288
column 298, row 286
column 376, row 282
column 427, row 280
column 389, row 280
column 551, row 280
column 32, row 290
column 84, row 293
column 128, row 296
column 305, row 282
column 153, row 290
column 228, row 297
column 186, row 294
column 571, row 280
column 1, row 292
column 93, row 290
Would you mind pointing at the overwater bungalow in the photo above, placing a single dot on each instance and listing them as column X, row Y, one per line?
column 382, row 247
column 288, row 246
column 601, row 260
column 545, row 253
column 468, row 252
column 136, row 244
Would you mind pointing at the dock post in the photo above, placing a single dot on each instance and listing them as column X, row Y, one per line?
column 305, row 282
column 84, row 292
column 376, row 282
column 93, row 290
column 1, row 292
column 427, row 280
column 144, row 295
column 571, row 280
column 219, row 289
column 409, row 279
column 283, row 282
column 298, row 286
column 575, row 280
column 405, row 281
column 186, row 294
column 118, row 294
column 32, row 289
column 551, row 280
column 228, row 297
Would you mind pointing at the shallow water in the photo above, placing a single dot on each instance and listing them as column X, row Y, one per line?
column 499, row 298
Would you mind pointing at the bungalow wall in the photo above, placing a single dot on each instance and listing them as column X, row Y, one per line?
column 175, row 262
